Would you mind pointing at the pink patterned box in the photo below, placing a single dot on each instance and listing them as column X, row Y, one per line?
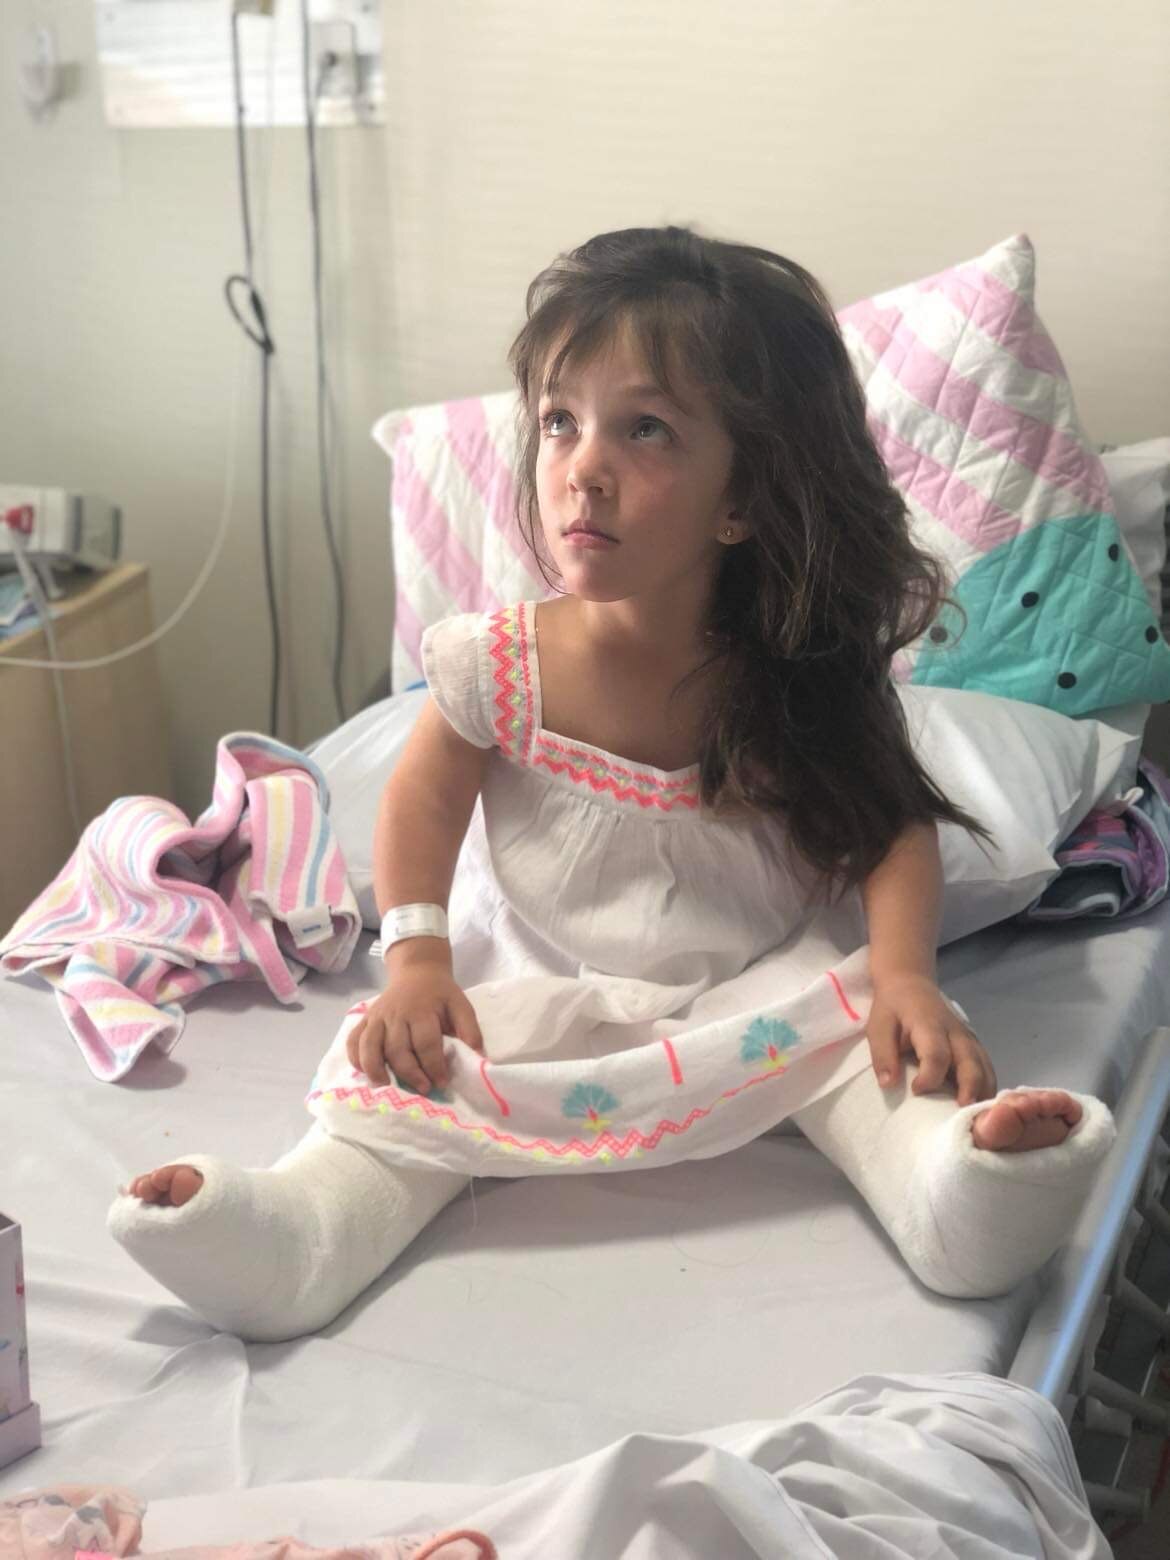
column 20, row 1418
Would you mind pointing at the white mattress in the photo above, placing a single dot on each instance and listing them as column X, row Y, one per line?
column 526, row 1328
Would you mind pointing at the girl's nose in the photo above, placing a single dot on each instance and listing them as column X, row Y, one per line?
column 589, row 471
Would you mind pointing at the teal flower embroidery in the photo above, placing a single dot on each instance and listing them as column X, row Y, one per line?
column 766, row 1040
column 588, row 1102
column 436, row 1095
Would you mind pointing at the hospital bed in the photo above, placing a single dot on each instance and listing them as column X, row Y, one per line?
column 538, row 1320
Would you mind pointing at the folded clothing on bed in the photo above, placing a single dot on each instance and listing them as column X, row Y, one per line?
column 1116, row 862
column 151, row 909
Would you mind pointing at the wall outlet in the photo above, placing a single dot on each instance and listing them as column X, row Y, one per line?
column 333, row 50
column 162, row 64
column 40, row 71
column 364, row 16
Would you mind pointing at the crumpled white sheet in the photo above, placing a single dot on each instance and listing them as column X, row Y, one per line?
column 963, row 1465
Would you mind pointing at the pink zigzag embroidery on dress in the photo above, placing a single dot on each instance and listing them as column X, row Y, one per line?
column 509, row 650
column 504, row 677
column 388, row 1097
column 604, row 777
column 520, row 635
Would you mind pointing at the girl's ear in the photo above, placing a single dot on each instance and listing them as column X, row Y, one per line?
column 734, row 528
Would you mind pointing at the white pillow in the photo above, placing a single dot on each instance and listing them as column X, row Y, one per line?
column 357, row 760
column 1139, row 482
column 1027, row 773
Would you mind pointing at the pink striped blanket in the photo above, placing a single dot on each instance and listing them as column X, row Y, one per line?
column 151, row 909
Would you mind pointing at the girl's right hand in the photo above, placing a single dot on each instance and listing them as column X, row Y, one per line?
column 404, row 1027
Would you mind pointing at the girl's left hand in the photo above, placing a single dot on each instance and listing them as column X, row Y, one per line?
column 910, row 1016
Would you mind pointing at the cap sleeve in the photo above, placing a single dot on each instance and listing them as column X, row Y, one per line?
column 454, row 661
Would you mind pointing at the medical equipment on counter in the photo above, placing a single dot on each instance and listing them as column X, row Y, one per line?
column 66, row 528
column 17, row 533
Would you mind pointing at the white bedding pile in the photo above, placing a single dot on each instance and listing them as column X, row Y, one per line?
column 932, row 1467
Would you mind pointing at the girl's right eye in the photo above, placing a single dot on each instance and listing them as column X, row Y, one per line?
column 548, row 422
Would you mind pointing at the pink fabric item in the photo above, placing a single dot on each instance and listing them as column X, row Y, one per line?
column 57, row 1523
column 458, row 1544
column 151, row 909
column 81, row 1522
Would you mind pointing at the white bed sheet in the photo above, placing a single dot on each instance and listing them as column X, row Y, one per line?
column 934, row 1467
column 528, row 1326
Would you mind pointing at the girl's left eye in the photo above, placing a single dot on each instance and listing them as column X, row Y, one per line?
column 651, row 425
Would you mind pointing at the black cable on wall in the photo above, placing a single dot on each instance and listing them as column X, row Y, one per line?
column 257, row 331
column 311, row 93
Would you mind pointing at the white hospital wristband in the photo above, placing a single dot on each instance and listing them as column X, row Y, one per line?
column 403, row 921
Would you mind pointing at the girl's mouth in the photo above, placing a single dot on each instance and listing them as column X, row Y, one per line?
column 589, row 539
column 584, row 537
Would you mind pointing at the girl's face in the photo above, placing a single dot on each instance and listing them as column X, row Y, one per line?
column 632, row 486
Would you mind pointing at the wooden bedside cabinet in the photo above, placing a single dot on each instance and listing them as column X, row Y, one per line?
column 117, row 722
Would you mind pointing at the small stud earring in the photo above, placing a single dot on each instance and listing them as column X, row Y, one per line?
column 729, row 531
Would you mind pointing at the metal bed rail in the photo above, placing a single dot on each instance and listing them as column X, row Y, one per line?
column 1093, row 1280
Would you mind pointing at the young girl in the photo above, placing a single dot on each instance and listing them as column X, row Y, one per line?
column 629, row 798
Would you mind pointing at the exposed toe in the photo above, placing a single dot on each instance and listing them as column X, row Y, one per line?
column 170, row 1186
column 1031, row 1119
column 184, row 1184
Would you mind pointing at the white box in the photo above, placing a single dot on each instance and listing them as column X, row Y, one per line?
column 68, row 528
column 20, row 1418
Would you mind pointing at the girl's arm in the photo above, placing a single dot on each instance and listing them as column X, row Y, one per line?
column 422, row 820
column 903, row 905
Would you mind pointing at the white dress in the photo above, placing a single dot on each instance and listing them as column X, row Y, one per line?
column 622, row 947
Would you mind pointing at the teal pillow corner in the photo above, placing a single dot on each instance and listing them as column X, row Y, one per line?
column 1056, row 616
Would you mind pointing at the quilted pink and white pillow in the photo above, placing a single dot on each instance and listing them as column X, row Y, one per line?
column 972, row 409
column 456, row 542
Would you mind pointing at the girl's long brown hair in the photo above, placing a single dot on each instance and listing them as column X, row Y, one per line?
column 809, row 612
